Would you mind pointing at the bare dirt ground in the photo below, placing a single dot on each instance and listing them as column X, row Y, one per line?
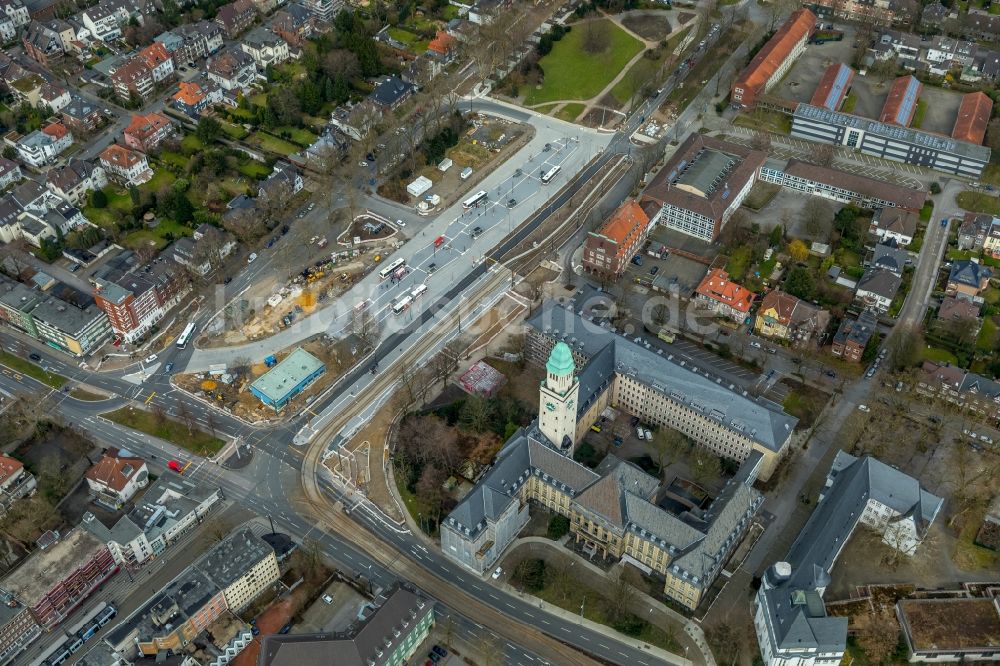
column 367, row 454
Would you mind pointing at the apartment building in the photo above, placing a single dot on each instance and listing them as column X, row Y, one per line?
column 236, row 17
column 159, row 62
column 17, row 12
column 236, row 570
column 233, row 69
column 134, row 77
column 702, row 185
column 718, row 294
column 192, row 98
column 265, row 47
column 387, row 632
column 76, row 328
column 17, row 627
column 102, row 22
column 16, row 303
column 294, row 24
column 137, row 300
column 10, row 173
column 53, row 97
column 852, row 336
column 966, row 390
column 790, row 619
column 125, row 166
column 324, row 10
column 888, row 141
column 623, row 373
column 608, row 250
column 59, row 575
column 76, row 180
column 82, row 116
column 15, row 482
column 974, row 230
column 41, row 147
column 773, row 60
column 41, row 43
column 145, row 132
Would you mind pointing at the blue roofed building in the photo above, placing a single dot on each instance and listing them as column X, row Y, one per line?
column 833, row 87
column 287, row 379
column 901, row 103
column 391, row 91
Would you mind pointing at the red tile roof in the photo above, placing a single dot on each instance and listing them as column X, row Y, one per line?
column 833, row 87
column 56, row 130
column 189, row 93
column 143, row 127
column 767, row 61
column 718, row 287
column 154, row 54
column 442, row 43
column 119, row 156
column 114, row 472
column 9, row 467
column 626, row 222
column 973, row 117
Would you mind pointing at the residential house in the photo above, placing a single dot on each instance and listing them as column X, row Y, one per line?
column 8, row 31
column 191, row 98
column 876, row 289
column 41, row 43
column 723, row 296
column 608, row 250
column 852, row 336
column 76, row 180
column 236, row 17
column 159, row 62
column 67, row 34
column 960, row 313
column 390, row 92
column 991, row 243
column 54, row 97
column 265, row 47
column 968, row 279
column 145, row 133
column 82, row 116
column 117, row 477
column 483, row 11
column 15, row 482
column 42, row 146
column 294, row 24
column 896, row 223
column 966, row 390
column 443, row 47
column 27, row 88
column 267, row 6
column 786, row 317
column 933, row 15
column 974, row 229
column 889, row 256
column 356, row 121
column 10, row 173
column 30, row 196
column 980, row 25
column 201, row 39
column 946, row 53
column 134, row 77
column 17, row 12
column 125, row 166
column 233, row 69
column 284, row 176
column 204, row 251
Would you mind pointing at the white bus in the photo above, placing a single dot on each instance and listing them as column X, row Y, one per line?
column 550, row 174
column 185, row 335
column 402, row 305
column 474, row 201
column 390, row 268
column 418, row 291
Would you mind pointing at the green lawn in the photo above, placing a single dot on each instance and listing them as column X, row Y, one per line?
column 413, row 41
column 260, row 99
column 849, row 102
column 979, row 202
column 174, row 159
column 161, row 178
column 299, row 135
column 739, row 262
column 771, row 121
column 641, row 73
column 232, row 131
column 572, row 73
column 191, row 144
column 448, row 12
column 195, row 441
column 119, row 205
column 157, row 236
column 987, row 335
column 25, row 367
column 918, row 114
column 273, row 144
column 991, row 174
column 88, row 396
column 928, row 210
column 570, row 112
column 939, row 355
column 253, row 169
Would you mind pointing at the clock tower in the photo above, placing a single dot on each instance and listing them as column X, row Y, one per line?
column 557, row 400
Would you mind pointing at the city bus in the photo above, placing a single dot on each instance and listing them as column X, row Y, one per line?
column 402, row 305
column 474, row 201
column 185, row 336
column 550, row 174
column 390, row 268
column 418, row 291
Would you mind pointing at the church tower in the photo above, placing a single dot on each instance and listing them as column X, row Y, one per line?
column 557, row 400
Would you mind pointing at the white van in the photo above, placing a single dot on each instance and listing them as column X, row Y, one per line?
column 641, row 434
column 466, row 172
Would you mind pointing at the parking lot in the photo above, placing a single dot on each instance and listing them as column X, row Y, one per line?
column 801, row 80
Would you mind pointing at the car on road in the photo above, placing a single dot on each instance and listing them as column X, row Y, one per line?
column 870, row 373
column 168, row 367
column 34, row 357
column 497, row 573
column 986, row 438
column 271, row 242
column 547, row 148
column 864, row 408
column 401, row 223
column 175, row 466
column 252, row 257
column 771, row 350
column 362, row 164
column 944, row 222
column 654, row 270
column 227, row 280
column 595, row 428
column 432, row 268
column 754, row 343
column 327, row 599
column 476, row 232
column 74, row 268
column 285, row 629
column 511, row 203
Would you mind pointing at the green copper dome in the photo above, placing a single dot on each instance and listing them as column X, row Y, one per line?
column 560, row 361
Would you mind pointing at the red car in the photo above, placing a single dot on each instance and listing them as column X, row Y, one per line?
column 175, row 466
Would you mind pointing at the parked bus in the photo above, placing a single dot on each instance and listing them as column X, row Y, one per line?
column 390, row 268
column 550, row 174
column 418, row 291
column 185, row 335
column 402, row 306
column 474, row 201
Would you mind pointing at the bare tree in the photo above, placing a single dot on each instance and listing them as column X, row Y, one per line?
column 817, row 217
column 621, row 594
column 877, row 633
column 761, row 141
column 821, row 154
column 705, row 466
column 669, row 445
column 247, row 224
column 186, row 416
column 596, row 36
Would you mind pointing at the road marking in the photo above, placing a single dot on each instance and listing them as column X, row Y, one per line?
column 564, row 629
column 604, row 646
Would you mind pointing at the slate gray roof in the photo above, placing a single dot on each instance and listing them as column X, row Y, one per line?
column 881, row 282
column 890, row 257
column 762, row 421
column 796, row 612
column 969, row 273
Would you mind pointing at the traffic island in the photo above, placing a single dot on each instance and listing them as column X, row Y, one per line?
column 158, row 424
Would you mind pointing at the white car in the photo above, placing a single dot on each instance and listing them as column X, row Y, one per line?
column 648, row 433
column 754, row 343
column 864, row 408
column 151, row 358
column 641, row 434
column 327, row 598
column 400, row 223
column 252, row 257
column 362, row 164
column 497, row 573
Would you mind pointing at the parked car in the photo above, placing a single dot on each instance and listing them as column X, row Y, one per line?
column 641, row 434
column 34, row 357
column 648, row 433
column 497, row 573
column 151, row 358
column 654, row 270
column 327, row 599
column 864, row 408
column 595, row 428
column 252, row 257
column 754, row 343
column 440, row 650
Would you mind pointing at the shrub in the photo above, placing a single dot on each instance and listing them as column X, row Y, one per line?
column 558, row 527
column 98, row 199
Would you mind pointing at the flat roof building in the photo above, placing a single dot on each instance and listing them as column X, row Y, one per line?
column 890, row 141
column 842, row 186
column 954, row 630
column 901, row 104
column 287, row 379
column 388, row 632
column 774, row 59
column 702, row 185
column 973, row 117
column 833, row 87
